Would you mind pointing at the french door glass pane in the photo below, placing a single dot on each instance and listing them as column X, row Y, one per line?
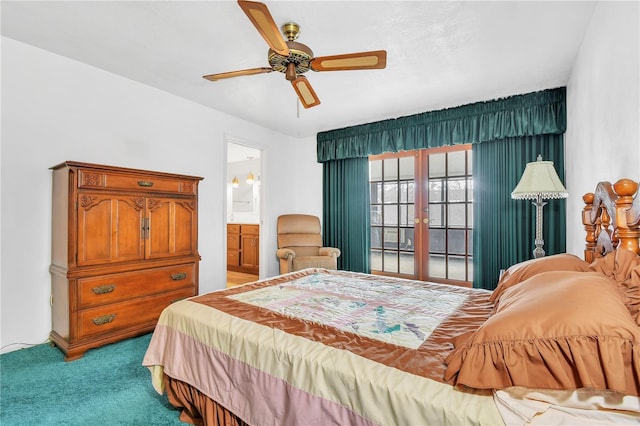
column 375, row 170
column 456, row 241
column 390, row 170
column 437, row 243
column 376, row 215
column 436, row 190
column 407, row 263
column 390, row 261
column 436, row 215
column 456, row 268
column 376, row 192
column 456, row 166
column 390, row 214
column 456, row 190
column 437, row 165
column 437, row 266
column 457, row 215
column 407, row 165
column 390, row 195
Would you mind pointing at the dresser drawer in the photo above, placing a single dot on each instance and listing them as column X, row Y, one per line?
column 233, row 228
column 233, row 258
column 118, row 287
column 124, row 315
column 111, row 180
column 250, row 229
column 233, row 241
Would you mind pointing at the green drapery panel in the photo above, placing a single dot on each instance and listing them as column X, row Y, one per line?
column 531, row 114
column 346, row 211
column 503, row 228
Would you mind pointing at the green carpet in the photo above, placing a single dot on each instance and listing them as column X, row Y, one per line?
column 108, row 386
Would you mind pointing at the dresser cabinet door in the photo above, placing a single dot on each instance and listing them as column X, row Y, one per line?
column 250, row 245
column 171, row 228
column 109, row 229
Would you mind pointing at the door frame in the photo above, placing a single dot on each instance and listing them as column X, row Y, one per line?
column 421, row 202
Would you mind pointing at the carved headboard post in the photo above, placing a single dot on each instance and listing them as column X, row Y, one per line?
column 627, row 232
column 590, row 227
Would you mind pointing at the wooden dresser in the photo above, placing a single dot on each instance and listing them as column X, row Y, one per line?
column 243, row 248
column 124, row 246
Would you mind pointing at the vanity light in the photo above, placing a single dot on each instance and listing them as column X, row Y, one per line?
column 250, row 178
column 235, row 182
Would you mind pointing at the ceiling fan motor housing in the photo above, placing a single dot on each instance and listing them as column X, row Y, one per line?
column 300, row 54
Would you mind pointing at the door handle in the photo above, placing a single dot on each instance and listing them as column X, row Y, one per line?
column 425, row 220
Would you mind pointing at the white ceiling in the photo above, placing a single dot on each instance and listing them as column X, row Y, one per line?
column 440, row 54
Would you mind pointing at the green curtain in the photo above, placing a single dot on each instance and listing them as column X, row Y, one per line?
column 522, row 115
column 519, row 119
column 504, row 228
column 346, row 211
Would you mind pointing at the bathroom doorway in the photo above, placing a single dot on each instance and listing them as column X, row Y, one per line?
column 243, row 182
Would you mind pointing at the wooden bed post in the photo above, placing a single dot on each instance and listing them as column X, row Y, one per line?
column 627, row 232
column 590, row 227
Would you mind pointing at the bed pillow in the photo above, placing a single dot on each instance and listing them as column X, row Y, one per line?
column 524, row 270
column 623, row 266
column 556, row 330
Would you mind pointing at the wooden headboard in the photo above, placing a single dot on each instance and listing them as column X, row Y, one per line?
column 611, row 218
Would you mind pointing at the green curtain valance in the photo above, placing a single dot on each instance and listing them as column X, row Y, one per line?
column 530, row 114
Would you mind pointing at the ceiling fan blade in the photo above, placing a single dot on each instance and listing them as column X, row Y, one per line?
column 251, row 71
column 305, row 92
column 266, row 26
column 376, row 59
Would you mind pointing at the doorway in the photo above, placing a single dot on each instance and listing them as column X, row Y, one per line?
column 244, row 199
column 422, row 214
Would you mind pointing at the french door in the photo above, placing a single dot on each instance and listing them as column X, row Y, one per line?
column 422, row 214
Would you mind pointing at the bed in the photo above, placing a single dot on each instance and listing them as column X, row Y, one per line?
column 557, row 341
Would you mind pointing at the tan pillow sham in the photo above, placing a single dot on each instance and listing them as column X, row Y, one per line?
column 524, row 270
column 556, row 330
column 623, row 266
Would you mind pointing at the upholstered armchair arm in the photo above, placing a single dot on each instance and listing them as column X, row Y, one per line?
column 329, row 251
column 285, row 253
column 286, row 259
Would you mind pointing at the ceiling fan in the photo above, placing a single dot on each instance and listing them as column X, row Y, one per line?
column 294, row 59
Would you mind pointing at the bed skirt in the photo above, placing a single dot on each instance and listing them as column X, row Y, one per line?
column 197, row 408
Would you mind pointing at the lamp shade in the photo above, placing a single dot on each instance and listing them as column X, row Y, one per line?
column 235, row 182
column 250, row 178
column 539, row 179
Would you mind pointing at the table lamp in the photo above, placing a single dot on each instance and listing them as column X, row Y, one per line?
column 539, row 182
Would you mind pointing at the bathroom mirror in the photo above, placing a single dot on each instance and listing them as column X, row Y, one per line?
column 243, row 183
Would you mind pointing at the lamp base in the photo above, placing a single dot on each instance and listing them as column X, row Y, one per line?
column 539, row 251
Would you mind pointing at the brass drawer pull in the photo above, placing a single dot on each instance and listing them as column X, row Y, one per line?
column 103, row 289
column 146, row 183
column 179, row 276
column 105, row 319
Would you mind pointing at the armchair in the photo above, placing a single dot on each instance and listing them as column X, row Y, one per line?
column 300, row 244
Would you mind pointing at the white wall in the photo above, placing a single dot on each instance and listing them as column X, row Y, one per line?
column 55, row 109
column 603, row 110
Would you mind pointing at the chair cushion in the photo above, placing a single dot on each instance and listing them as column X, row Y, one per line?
column 299, row 240
column 304, row 262
column 298, row 224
